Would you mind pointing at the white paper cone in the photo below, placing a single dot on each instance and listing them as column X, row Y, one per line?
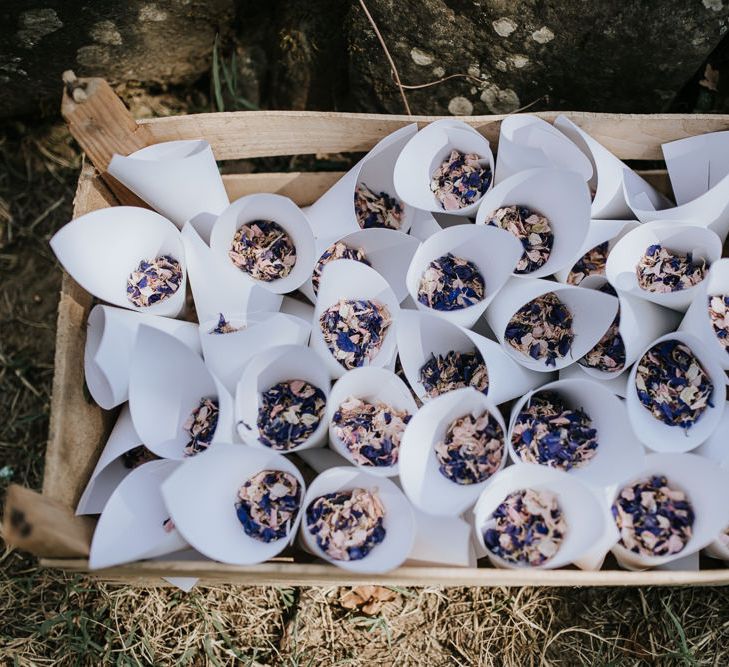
column 598, row 232
column 284, row 213
column 661, row 437
column 426, row 487
column 442, row 541
column 348, row 279
column 322, row 458
column 618, row 453
column 607, row 179
column 425, row 225
column 372, row 385
column 674, row 236
column 616, row 385
column 592, row 313
column 166, row 383
column 716, row 447
column 180, row 179
column 216, row 285
column 588, row 537
column 719, row 547
column 421, row 335
column 131, row 526
column 426, row 151
column 226, row 355
column 398, row 521
column 697, row 320
column 559, row 195
column 110, row 336
column 102, row 248
column 707, row 488
column 263, row 371
column 185, row 584
column 495, row 253
column 297, row 308
column 389, row 253
column 526, row 142
column 201, row 496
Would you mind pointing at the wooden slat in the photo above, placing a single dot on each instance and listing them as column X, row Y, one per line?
column 246, row 134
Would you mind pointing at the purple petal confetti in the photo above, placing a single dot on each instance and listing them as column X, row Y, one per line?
column 263, row 250
column 661, row 270
column 673, row 385
column 267, row 504
column 347, row 525
column 608, row 355
column 460, row 180
column 371, row 431
column 550, row 433
column 472, row 449
column 527, row 528
column 339, row 250
column 224, row 327
column 531, row 228
column 137, row 456
column 154, row 280
column 451, row 283
column 200, row 426
column 377, row 210
column 168, row 525
column 592, row 263
column 653, row 518
column 454, row 370
column 719, row 315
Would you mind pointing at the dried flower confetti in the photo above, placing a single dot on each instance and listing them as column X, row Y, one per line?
column 267, row 504
column 454, row 370
column 531, row 228
column 653, row 518
column 154, row 280
column 719, row 315
column 338, row 250
column 168, row 525
column 200, row 426
column 451, row 283
column 289, row 414
column 347, row 525
column 137, row 456
column 354, row 330
column 263, row 250
column 592, row 263
column 472, row 450
column 460, row 180
column 224, row 327
column 608, row 355
column 371, row 431
column 549, row 433
column 542, row 329
column 661, row 270
column 527, row 528
column 673, row 385
column 377, row 210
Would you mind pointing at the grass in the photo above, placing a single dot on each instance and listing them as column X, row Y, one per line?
column 49, row 618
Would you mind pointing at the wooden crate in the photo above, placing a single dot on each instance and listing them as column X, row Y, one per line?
column 78, row 427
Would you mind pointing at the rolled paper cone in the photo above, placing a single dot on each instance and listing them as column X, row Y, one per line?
column 422, row 335
column 216, row 285
column 697, row 320
column 442, row 541
column 226, row 355
column 166, row 384
column 719, row 547
column 716, row 447
column 131, row 527
column 559, row 195
column 426, row 151
column 201, row 496
column 398, row 521
column 110, row 337
column 428, row 489
column 374, row 385
column 388, row 252
column 677, row 237
column 333, row 215
column 706, row 486
column 661, row 437
column 110, row 469
column 589, row 535
column 598, row 232
column 607, row 179
column 618, row 453
column 424, row 225
column 641, row 322
column 284, row 213
column 268, row 368
column 179, row 179
column 616, row 385
column 185, row 584
column 352, row 280
column 526, row 142
column 321, row 459
column 102, row 248
column 297, row 308
column 494, row 252
column 592, row 312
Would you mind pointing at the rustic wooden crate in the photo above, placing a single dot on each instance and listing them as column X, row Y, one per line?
column 78, row 428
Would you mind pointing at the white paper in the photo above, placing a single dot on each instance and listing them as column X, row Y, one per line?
column 716, row 447
column 616, row 385
column 425, row 225
column 297, row 308
column 442, row 541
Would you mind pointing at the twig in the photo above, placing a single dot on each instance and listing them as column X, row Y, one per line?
column 445, row 78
